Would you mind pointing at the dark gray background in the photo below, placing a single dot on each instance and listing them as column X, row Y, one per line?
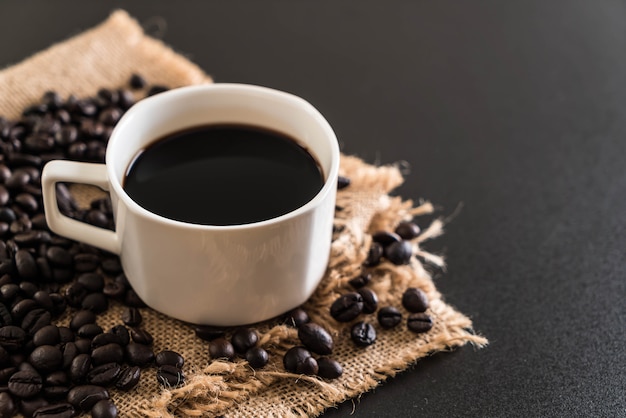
column 515, row 109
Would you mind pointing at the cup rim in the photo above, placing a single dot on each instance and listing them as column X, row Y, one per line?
column 329, row 183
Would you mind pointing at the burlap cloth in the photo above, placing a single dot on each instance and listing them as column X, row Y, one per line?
column 106, row 56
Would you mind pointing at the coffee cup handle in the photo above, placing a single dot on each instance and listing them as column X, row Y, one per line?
column 75, row 172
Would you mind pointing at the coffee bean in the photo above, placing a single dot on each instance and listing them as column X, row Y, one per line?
column 79, row 367
column 419, row 322
column 221, row 348
column 4, row 357
column 156, row 89
column 84, row 397
column 342, row 182
column 6, row 373
column 74, row 294
column 138, row 354
column 415, row 300
column 132, row 299
column 141, row 336
column 104, row 409
column 374, row 255
column 81, row 318
column 57, row 378
column 93, row 282
column 122, row 332
column 407, row 230
column 170, row 358
column 294, row 358
column 386, row 238
column 21, row 308
column 28, row 289
column 5, row 316
column 128, row 378
column 7, row 405
column 48, row 335
column 370, row 300
column 95, row 302
column 137, row 81
column 65, row 334
column 208, row 333
column 360, row 280
column 46, row 358
column 83, row 345
column 257, row 357
column 316, row 338
column 347, row 307
column 70, row 351
column 59, row 410
column 111, row 266
column 105, row 338
column 309, row 367
column 89, row 331
column 26, row 265
column 329, row 368
column 104, row 374
column 126, row 99
column 85, row 262
column 389, row 317
column 297, row 317
column 35, row 320
column 29, row 406
column 131, row 317
column 25, row 384
column 363, row 334
column 44, row 300
column 9, row 291
column 399, row 252
column 114, row 290
column 109, row 353
column 170, row 376
column 243, row 339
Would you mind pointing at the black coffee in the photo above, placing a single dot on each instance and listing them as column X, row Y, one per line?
column 223, row 175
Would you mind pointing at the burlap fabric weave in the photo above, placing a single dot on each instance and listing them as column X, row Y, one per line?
column 106, row 56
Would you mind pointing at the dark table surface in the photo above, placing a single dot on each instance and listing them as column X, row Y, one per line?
column 517, row 110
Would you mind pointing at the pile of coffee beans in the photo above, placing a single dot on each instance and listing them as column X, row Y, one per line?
column 394, row 246
column 243, row 342
column 48, row 370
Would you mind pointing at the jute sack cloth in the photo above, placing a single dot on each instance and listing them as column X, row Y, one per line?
column 106, row 56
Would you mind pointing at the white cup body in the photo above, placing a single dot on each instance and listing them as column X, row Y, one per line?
column 219, row 275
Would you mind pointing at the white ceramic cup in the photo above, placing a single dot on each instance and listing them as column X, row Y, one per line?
column 203, row 274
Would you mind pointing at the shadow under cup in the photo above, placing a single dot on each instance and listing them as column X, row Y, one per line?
column 223, row 275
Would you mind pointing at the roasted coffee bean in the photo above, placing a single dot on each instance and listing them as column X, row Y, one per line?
column 93, row 282
column 7, row 215
column 35, row 320
column 70, row 351
column 415, row 300
column 66, row 136
column 5, row 316
column 28, row 289
column 389, row 317
column 156, row 89
column 208, row 333
column 122, row 332
column 6, row 373
column 132, row 299
column 243, row 339
column 104, row 409
column 29, row 406
column 114, row 290
column 139, row 354
column 59, row 410
column 128, row 378
column 141, row 336
column 294, row 358
column 46, row 358
column 169, row 358
column 7, row 405
column 66, row 335
column 7, row 267
column 81, row 318
column 297, row 317
column 44, row 300
column 363, row 334
column 27, row 202
column 95, row 302
column 105, row 338
column 316, row 338
column 97, row 218
column 48, row 335
column 342, row 182
column 257, row 357
column 111, row 266
column 17, row 180
column 370, row 300
column 399, row 252
column 83, row 345
column 137, row 81
column 26, row 265
column 4, row 195
column 329, row 368
column 109, row 353
column 386, row 238
column 57, row 378
column 110, row 116
column 74, row 294
column 360, row 280
column 21, row 308
column 374, row 255
column 407, row 230
column 25, row 366
column 347, row 307
column 131, row 317
column 221, row 348
column 86, row 396
column 419, row 322
column 79, row 367
column 25, row 384
column 170, row 376
column 309, row 367
column 89, row 331
column 85, row 262
column 4, row 357
column 9, row 291
column 104, row 374
column 126, row 99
